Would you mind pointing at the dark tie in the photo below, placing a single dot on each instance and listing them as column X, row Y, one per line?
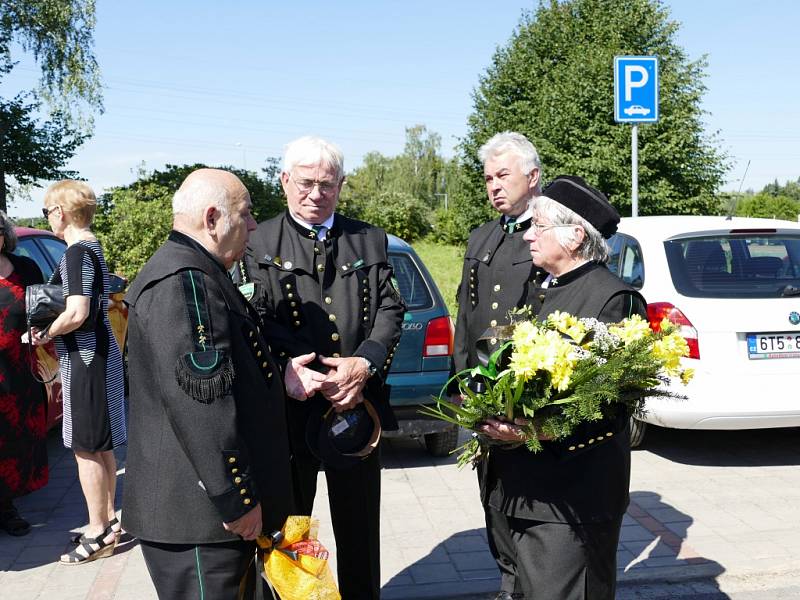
column 316, row 229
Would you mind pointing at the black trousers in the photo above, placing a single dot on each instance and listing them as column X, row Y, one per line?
column 559, row 561
column 501, row 546
column 354, row 495
column 200, row 571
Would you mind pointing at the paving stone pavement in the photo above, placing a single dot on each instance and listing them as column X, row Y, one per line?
column 708, row 509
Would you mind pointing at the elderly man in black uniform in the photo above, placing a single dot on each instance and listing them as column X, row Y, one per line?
column 208, row 454
column 562, row 508
column 496, row 277
column 323, row 285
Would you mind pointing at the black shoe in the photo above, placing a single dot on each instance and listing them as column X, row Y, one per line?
column 508, row 596
column 13, row 523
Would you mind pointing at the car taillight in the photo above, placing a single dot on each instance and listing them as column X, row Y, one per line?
column 656, row 311
column 438, row 337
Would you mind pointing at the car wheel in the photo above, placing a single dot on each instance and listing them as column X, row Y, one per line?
column 637, row 429
column 442, row 443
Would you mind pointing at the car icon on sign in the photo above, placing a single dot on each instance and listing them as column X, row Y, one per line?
column 635, row 109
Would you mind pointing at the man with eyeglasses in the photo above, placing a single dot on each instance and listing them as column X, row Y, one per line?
column 496, row 277
column 322, row 284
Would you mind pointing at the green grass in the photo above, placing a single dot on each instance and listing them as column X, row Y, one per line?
column 444, row 262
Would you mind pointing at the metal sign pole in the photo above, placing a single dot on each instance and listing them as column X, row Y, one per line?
column 635, row 170
column 635, row 101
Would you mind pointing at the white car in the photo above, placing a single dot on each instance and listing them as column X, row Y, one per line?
column 733, row 286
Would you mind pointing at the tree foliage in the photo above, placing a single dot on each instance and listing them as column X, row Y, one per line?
column 132, row 223
column 790, row 190
column 553, row 82
column 31, row 150
column 400, row 214
column 768, row 206
column 399, row 193
column 134, row 220
column 59, row 35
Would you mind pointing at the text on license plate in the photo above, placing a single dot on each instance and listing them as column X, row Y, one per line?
column 773, row 345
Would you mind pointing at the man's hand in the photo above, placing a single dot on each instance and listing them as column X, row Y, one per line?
column 508, row 431
column 248, row 526
column 345, row 381
column 300, row 381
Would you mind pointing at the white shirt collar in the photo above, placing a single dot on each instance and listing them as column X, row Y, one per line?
column 327, row 223
column 526, row 215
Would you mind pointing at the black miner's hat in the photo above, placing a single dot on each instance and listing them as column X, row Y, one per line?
column 590, row 203
column 341, row 440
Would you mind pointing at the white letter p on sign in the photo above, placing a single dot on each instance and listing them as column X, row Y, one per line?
column 631, row 83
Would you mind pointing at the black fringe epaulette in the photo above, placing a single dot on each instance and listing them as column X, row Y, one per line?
column 206, row 373
column 205, row 376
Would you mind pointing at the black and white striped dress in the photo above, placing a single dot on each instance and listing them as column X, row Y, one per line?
column 90, row 360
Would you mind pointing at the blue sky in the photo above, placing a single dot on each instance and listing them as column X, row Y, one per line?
column 195, row 82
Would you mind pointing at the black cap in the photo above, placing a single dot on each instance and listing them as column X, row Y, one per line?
column 341, row 440
column 590, row 203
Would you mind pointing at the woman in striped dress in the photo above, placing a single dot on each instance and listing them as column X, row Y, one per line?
column 90, row 363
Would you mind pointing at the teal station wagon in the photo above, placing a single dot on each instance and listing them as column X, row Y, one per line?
column 422, row 359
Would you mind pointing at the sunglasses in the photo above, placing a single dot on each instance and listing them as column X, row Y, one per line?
column 46, row 211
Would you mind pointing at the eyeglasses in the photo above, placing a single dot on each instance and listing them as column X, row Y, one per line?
column 540, row 228
column 46, row 211
column 306, row 186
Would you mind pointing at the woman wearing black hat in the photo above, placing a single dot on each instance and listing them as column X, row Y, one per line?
column 561, row 509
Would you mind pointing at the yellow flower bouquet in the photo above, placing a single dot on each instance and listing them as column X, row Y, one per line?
column 564, row 371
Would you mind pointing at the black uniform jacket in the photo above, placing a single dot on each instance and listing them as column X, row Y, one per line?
column 496, row 277
column 585, row 477
column 334, row 297
column 207, row 428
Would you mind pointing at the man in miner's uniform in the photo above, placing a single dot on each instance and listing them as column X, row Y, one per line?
column 497, row 276
column 323, row 286
column 208, row 454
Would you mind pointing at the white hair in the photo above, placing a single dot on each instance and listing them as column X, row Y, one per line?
column 310, row 150
column 516, row 143
column 593, row 247
column 195, row 195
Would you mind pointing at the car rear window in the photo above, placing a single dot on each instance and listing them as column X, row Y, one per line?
column 736, row 265
column 410, row 281
column 27, row 247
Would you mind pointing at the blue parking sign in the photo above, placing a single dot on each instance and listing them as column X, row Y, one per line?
column 636, row 89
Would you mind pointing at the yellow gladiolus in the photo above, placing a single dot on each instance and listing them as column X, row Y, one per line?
column 631, row 329
column 669, row 349
column 568, row 325
column 541, row 350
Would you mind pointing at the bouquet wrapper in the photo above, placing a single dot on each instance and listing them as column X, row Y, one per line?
column 296, row 564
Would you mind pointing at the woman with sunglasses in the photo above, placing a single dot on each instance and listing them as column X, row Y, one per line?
column 90, row 363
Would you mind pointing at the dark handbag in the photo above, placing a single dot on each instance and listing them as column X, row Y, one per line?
column 43, row 303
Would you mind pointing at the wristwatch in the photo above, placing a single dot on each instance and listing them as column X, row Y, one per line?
column 371, row 369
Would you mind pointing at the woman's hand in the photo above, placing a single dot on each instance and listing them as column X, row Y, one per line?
column 504, row 430
column 509, row 431
column 39, row 337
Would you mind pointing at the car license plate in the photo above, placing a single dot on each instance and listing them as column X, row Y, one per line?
column 773, row 345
